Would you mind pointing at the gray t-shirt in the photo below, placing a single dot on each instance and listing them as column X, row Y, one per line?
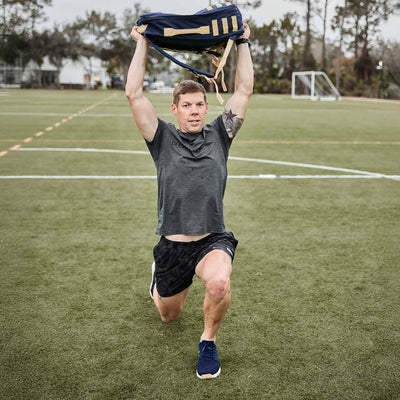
column 191, row 176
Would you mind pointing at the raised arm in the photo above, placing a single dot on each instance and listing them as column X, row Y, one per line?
column 236, row 107
column 143, row 111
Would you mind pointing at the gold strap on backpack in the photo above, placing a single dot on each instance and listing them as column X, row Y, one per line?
column 220, row 70
column 222, row 63
column 214, row 82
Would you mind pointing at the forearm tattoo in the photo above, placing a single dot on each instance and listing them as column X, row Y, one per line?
column 232, row 122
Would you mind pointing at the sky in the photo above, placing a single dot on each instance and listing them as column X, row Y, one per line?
column 63, row 11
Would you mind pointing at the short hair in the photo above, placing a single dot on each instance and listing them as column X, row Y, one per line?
column 188, row 86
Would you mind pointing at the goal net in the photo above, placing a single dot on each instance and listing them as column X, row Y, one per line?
column 314, row 85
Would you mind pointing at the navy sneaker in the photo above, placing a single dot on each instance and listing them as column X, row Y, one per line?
column 208, row 366
column 153, row 279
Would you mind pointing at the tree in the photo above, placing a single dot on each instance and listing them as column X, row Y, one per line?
column 20, row 16
column 353, row 13
column 17, row 25
column 62, row 45
column 307, row 59
column 338, row 23
column 391, row 61
column 272, row 35
column 290, row 35
column 38, row 50
column 368, row 15
column 15, row 49
column 106, row 36
column 12, row 18
column 86, row 50
column 35, row 12
column 324, row 16
column 97, row 27
column 231, row 59
column 265, row 39
column 93, row 33
column 260, row 38
column 120, row 50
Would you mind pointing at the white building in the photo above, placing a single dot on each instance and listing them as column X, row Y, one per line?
column 73, row 74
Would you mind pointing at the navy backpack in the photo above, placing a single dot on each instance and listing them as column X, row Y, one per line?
column 207, row 32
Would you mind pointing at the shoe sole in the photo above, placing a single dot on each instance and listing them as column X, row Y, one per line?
column 209, row 376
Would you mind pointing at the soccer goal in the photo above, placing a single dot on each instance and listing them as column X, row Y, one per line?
column 314, row 85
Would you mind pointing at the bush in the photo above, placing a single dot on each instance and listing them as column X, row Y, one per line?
column 283, row 86
column 349, row 83
column 393, row 91
column 269, row 85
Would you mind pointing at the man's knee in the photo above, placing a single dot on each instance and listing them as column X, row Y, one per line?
column 170, row 317
column 218, row 288
column 170, row 314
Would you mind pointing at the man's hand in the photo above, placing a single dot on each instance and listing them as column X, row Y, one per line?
column 246, row 33
column 136, row 35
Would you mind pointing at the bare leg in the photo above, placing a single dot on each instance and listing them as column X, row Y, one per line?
column 170, row 308
column 215, row 270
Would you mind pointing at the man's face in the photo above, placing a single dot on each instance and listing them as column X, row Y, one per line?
column 191, row 112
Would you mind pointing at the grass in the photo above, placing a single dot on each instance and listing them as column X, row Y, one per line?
column 316, row 288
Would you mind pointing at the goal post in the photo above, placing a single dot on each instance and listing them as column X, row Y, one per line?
column 313, row 85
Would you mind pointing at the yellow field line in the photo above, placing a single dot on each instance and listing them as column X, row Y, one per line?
column 80, row 140
column 51, row 127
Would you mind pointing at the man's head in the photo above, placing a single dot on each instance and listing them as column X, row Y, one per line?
column 188, row 87
column 190, row 106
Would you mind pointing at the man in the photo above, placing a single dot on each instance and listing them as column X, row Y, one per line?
column 191, row 172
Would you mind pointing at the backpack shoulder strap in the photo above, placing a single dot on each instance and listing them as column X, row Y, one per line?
column 176, row 61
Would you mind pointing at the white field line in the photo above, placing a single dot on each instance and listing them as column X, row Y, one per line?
column 51, row 149
column 142, row 177
column 313, row 166
column 312, row 176
column 397, row 102
column 78, row 177
column 365, row 174
column 32, row 114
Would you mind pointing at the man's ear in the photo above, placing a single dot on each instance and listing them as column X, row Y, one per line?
column 173, row 108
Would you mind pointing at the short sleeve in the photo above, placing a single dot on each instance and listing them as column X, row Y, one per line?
column 218, row 125
column 155, row 145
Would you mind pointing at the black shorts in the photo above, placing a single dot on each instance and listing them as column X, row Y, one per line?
column 176, row 261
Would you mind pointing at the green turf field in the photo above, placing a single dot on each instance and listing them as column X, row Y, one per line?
column 316, row 281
